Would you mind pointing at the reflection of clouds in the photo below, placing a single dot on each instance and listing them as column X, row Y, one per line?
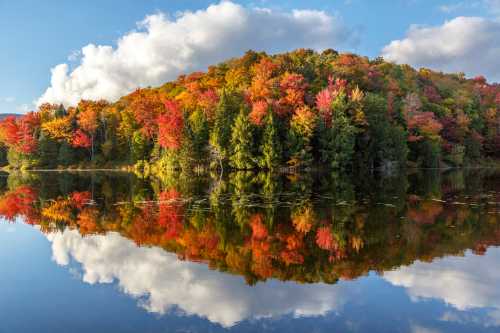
column 420, row 329
column 468, row 282
column 162, row 282
column 490, row 318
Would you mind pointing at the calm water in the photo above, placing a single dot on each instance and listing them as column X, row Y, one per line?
column 250, row 253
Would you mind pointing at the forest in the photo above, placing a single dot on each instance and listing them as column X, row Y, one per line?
column 296, row 110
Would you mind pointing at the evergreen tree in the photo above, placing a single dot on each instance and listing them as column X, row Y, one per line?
column 194, row 141
column 383, row 142
column 3, row 155
column 271, row 148
column 324, row 143
column 220, row 136
column 241, row 143
column 343, row 134
column 299, row 149
column 186, row 154
column 199, row 130
column 65, row 156
column 48, row 150
column 138, row 146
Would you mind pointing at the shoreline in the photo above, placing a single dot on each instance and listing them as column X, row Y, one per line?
column 278, row 170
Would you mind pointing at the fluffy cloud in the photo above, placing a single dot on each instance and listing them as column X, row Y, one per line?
column 163, row 47
column 469, row 282
column 464, row 44
column 161, row 282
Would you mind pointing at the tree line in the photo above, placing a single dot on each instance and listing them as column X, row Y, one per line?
column 301, row 109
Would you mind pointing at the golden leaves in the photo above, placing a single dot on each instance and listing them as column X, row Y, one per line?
column 58, row 211
column 59, row 128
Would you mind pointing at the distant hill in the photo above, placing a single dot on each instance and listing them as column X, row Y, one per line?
column 5, row 115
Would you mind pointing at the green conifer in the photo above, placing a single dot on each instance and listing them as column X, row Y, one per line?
column 241, row 143
column 220, row 136
column 271, row 148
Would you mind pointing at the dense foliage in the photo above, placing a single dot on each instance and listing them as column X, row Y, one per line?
column 297, row 109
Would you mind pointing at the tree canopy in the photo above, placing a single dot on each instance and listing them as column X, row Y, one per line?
column 298, row 109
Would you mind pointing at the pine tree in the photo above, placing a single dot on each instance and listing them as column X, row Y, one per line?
column 324, row 143
column 48, row 151
column 271, row 148
column 186, row 155
column 66, row 155
column 199, row 127
column 383, row 142
column 193, row 150
column 138, row 146
column 343, row 134
column 220, row 136
column 241, row 143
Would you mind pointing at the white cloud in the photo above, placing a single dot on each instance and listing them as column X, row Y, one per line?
column 469, row 282
column 464, row 44
column 163, row 47
column 23, row 108
column 162, row 283
column 421, row 329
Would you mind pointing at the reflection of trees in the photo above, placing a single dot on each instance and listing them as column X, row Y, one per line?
column 307, row 228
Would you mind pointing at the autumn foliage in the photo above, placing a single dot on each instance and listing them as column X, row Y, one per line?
column 342, row 111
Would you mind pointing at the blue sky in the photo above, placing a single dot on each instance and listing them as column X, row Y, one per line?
column 38, row 35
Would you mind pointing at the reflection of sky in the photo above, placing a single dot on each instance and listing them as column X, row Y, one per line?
column 466, row 283
column 162, row 282
column 450, row 295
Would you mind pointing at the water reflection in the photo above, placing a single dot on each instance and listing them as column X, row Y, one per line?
column 163, row 283
column 315, row 229
column 466, row 283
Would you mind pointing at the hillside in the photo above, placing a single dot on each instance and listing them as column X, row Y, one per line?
column 298, row 109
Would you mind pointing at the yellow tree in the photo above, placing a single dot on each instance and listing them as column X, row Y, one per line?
column 58, row 128
column 88, row 118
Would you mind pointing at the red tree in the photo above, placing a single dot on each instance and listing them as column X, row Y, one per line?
column 170, row 126
column 80, row 139
column 258, row 113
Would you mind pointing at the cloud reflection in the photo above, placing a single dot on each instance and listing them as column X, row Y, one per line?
column 465, row 283
column 161, row 282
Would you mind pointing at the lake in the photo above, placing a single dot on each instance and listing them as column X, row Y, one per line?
column 250, row 252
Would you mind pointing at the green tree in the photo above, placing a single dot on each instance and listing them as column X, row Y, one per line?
column 271, row 147
column 242, row 143
column 199, row 128
column 383, row 143
column 220, row 136
column 66, row 155
column 138, row 146
column 48, row 150
column 343, row 134
column 324, row 138
column 3, row 155
column 194, row 141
